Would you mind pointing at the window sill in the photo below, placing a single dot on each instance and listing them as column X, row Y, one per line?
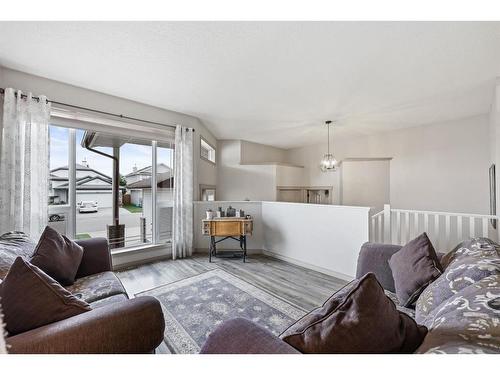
column 140, row 248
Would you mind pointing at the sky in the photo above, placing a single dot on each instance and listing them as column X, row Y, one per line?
column 130, row 154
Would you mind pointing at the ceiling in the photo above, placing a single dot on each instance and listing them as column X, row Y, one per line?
column 273, row 82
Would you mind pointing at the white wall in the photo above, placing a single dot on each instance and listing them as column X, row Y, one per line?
column 325, row 238
column 204, row 173
column 365, row 183
column 322, row 237
column 439, row 167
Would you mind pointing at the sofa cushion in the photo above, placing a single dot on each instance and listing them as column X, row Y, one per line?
column 472, row 261
column 414, row 267
column 98, row 286
column 57, row 256
column 394, row 298
column 13, row 245
column 468, row 322
column 31, row 299
column 359, row 318
column 108, row 301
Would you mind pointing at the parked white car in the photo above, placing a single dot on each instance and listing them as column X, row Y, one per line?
column 88, row 206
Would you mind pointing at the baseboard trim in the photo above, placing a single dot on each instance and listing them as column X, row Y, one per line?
column 326, row 271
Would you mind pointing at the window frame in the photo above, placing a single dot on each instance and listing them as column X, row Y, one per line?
column 71, row 206
column 203, row 139
column 208, row 187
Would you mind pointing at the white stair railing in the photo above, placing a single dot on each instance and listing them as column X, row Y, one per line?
column 445, row 229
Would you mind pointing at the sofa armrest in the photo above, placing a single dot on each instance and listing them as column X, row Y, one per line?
column 96, row 257
column 374, row 257
column 241, row 336
column 132, row 326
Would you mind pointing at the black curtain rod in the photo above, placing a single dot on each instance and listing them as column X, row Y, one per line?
column 24, row 96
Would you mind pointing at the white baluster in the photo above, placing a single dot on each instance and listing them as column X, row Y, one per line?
column 416, row 217
column 485, row 227
column 459, row 228
column 379, row 222
column 447, row 232
column 398, row 228
column 407, row 228
column 472, row 227
column 373, row 229
column 436, row 229
column 426, row 222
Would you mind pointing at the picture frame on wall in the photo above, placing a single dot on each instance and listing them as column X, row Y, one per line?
column 493, row 198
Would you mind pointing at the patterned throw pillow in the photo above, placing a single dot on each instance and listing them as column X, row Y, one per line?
column 468, row 322
column 13, row 245
column 475, row 260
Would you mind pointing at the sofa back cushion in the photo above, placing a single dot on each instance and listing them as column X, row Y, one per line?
column 13, row 245
column 359, row 318
column 467, row 264
column 468, row 322
column 414, row 267
column 31, row 299
column 58, row 256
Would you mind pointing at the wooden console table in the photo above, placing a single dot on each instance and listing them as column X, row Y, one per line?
column 236, row 228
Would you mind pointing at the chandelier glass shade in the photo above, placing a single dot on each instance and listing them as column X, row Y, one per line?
column 328, row 163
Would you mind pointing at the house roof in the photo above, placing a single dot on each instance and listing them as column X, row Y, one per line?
column 84, row 183
column 145, row 170
column 164, row 180
column 79, row 167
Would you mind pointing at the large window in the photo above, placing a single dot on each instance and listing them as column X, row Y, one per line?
column 106, row 184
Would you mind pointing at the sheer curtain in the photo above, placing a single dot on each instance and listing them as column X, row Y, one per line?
column 24, row 163
column 183, row 193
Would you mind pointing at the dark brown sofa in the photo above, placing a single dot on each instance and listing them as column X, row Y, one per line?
column 116, row 323
column 459, row 308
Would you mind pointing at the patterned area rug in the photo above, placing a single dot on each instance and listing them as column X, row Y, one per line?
column 194, row 307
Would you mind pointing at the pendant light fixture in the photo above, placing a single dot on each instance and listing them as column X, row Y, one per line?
column 328, row 163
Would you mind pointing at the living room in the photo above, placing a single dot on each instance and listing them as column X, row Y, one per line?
column 262, row 187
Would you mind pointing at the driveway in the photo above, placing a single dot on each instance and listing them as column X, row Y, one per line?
column 93, row 222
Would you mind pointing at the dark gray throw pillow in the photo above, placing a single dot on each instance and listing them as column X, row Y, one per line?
column 413, row 268
column 359, row 318
column 31, row 299
column 57, row 256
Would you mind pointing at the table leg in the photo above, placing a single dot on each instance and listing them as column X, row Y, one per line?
column 210, row 249
column 244, row 249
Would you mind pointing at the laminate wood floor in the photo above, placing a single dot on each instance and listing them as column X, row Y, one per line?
column 300, row 286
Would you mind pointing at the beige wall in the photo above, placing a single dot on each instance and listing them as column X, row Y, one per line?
column 366, row 183
column 236, row 182
column 439, row 167
column 204, row 172
column 257, row 153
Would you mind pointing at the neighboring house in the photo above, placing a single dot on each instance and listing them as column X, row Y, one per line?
column 136, row 194
column 91, row 185
column 164, row 201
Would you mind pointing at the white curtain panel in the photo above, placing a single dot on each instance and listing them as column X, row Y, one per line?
column 183, row 193
column 24, row 163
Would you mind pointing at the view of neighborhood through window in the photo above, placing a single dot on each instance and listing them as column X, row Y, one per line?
column 94, row 187
column 207, row 151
